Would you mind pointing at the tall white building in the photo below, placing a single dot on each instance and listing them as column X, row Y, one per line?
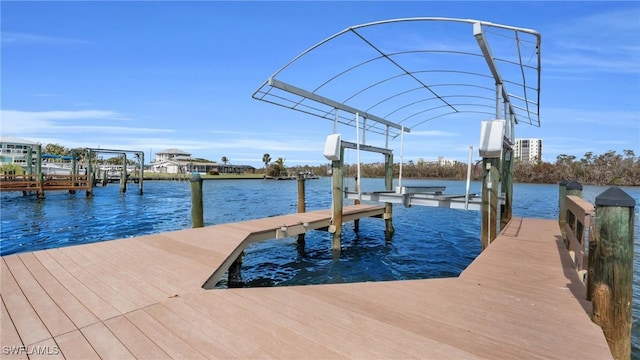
column 528, row 150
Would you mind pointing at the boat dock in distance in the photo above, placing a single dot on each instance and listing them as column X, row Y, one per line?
column 143, row 297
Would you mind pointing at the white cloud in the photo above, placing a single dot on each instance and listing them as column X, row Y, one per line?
column 9, row 37
column 45, row 123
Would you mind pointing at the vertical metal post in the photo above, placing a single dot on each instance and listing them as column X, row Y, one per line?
column 358, row 155
column 466, row 198
column 498, row 99
column 401, row 158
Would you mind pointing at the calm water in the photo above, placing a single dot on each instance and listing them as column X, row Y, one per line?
column 428, row 243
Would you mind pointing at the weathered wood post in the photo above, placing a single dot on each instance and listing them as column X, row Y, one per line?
column 197, row 216
column 301, row 205
column 490, row 185
column 105, row 177
column 39, row 174
column 613, row 269
column 40, row 185
column 90, row 174
column 388, row 185
column 74, row 172
column 141, row 179
column 562, row 207
column 123, row 174
column 29, row 161
column 38, row 159
column 337, row 167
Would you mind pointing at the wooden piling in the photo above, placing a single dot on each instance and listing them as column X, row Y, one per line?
column 141, row 174
column 40, row 192
column 612, row 278
column 337, row 167
column 30, row 161
column 388, row 185
column 90, row 175
column 197, row 216
column 123, row 174
column 301, row 204
column 490, row 185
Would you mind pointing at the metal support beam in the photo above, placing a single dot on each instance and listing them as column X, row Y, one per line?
column 351, row 145
column 335, row 104
column 486, row 52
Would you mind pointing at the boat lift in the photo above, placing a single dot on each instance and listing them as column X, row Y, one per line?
column 409, row 85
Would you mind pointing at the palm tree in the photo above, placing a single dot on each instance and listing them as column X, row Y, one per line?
column 225, row 160
column 266, row 159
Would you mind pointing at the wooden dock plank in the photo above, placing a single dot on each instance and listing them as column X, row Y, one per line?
column 90, row 264
column 521, row 298
column 134, row 340
column 105, row 292
column 74, row 345
column 72, row 307
column 24, row 317
column 46, row 349
column 56, row 321
column 189, row 333
column 9, row 337
column 98, row 306
column 106, row 345
column 273, row 341
column 168, row 341
column 178, row 273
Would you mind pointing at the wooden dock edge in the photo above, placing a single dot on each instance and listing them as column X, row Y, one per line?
column 303, row 223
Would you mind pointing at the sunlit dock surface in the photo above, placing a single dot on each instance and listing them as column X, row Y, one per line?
column 142, row 298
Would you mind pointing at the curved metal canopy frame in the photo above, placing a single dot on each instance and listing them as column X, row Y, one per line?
column 413, row 70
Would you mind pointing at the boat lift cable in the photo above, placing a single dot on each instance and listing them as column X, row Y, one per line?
column 466, row 198
column 358, row 183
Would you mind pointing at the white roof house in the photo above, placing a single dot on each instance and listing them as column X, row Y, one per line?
column 14, row 150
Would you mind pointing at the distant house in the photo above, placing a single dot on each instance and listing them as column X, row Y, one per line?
column 176, row 161
column 14, row 150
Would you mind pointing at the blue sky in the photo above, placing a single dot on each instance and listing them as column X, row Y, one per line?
column 155, row 75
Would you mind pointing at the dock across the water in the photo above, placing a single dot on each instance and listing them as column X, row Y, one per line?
column 142, row 297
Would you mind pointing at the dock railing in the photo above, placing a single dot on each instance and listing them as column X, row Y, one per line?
column 578, row 229
column 41, row 183
column 605, row 231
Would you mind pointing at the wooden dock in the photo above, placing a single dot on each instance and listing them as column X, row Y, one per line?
column 47, row 183
column 142, row 298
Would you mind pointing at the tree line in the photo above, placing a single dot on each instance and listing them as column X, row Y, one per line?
column 609, row 168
